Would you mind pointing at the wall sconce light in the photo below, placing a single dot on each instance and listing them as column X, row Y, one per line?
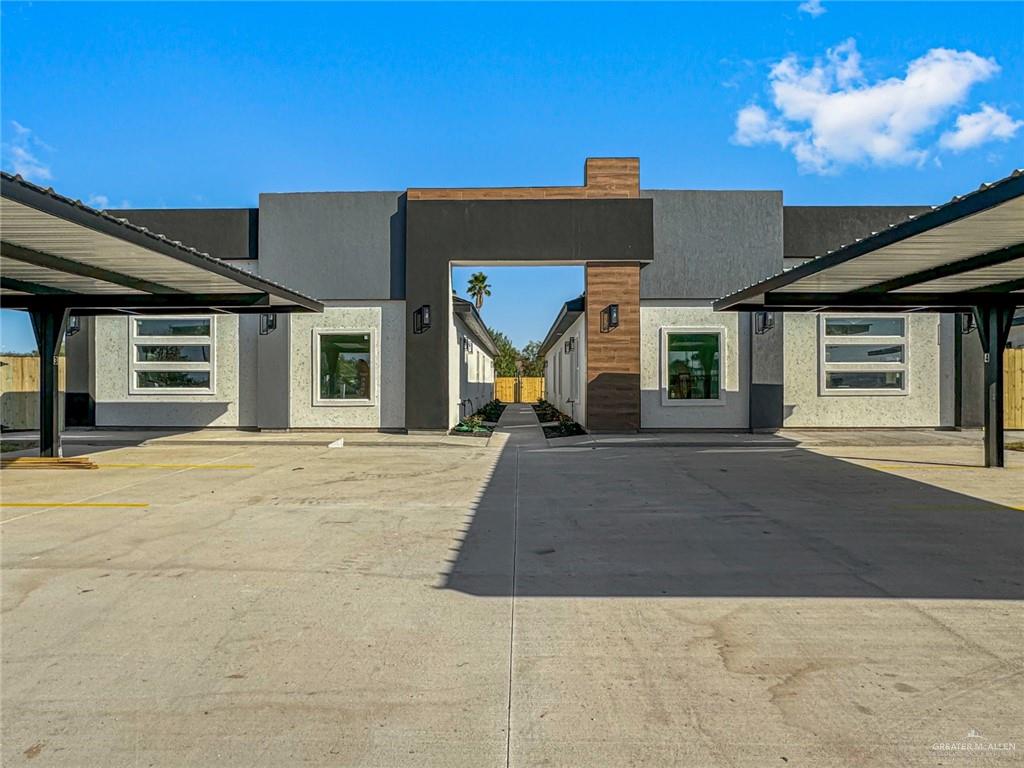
column 967, row 323
column 421, row 319
column 763, row 322
column 268, row 323
column 74, row 325
column 609, row 318
column 570, row 344
column 467, row 344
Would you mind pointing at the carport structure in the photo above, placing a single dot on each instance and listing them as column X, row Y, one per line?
column 964, row 256
column 59, row 257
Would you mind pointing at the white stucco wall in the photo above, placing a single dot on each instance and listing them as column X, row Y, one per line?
column 558, row 378
column 230, row 405
column 929, row 388
column 474, row 388
column 732, row 410
column 386, row 323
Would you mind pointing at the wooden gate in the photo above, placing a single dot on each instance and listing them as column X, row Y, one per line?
column 509, row 389
column 1013, row 388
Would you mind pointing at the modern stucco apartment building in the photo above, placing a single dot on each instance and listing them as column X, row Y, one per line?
column 628, row 355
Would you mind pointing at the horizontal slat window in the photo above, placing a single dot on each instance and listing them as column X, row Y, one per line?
column 173, row 326
column 172, row 355
column 173, row 379
column 863, row 355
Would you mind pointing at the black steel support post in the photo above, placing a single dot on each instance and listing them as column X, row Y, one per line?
column 993, row 331
column 48, row 323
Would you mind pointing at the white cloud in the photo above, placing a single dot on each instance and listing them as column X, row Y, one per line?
column 813, row 8
column 977, row 128
column 829, row 116
column 98, row 201
column 20, row 153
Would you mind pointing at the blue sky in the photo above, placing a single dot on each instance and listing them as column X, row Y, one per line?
column 154, row 105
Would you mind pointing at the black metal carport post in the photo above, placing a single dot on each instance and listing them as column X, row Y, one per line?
column 993, row 331
column 48, row 322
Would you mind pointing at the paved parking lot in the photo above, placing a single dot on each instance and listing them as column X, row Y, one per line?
column 724, row 601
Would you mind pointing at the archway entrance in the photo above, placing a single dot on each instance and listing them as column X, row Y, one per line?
column 604, row 225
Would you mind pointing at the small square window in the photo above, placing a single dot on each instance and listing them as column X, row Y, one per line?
column 344, row 367
column 692, row 366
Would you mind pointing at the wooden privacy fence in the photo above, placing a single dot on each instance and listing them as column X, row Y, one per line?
column 1013, row 388
column 19, row 391
column 509, row 389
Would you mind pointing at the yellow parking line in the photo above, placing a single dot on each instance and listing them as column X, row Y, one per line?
column 113, row 465
column 49, row 504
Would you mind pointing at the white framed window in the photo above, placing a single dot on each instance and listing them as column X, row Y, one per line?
column 863, row 354
column 171, row 355
column 343, row 361
column 693, row 365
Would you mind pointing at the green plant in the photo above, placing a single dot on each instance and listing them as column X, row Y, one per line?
column 478, row 287
column 491, row 411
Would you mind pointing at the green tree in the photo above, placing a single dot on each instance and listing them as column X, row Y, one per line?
column 533, row 362
column 508, row 355
column 478, row 287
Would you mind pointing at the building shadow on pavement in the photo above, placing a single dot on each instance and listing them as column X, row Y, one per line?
column 720, row 520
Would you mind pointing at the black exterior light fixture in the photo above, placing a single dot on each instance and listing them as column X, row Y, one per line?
column 967, row 323
column 268, row 323
column 609, row 318
column 74, row 325
column 763, row 322
column 570, row 344
column 421, row 319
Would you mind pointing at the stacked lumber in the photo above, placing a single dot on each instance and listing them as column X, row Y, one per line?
column 47, row 462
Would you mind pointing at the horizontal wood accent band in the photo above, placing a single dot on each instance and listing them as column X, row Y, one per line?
column 604, row 178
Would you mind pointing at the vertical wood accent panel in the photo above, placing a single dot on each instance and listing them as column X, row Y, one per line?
column 603, row 177
column 613, row 357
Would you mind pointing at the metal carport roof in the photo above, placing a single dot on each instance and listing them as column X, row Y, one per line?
column 954, row 257
column 59, row 256
column 55, row 248
column 966, row 255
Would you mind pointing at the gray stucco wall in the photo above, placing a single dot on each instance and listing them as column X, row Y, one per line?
column 709, row 244
column 812, row 230
column 116, row 406
column 806, row 406
column 335, row 245
column 226, row 233
column 273, row 391
column 386, row 324
column 731, row 410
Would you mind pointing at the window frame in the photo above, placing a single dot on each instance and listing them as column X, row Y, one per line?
column 374, row 373
column 718, row 330
column 135, row 366
column 825, row 367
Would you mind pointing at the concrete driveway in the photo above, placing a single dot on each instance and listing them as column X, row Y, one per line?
column 723, row 601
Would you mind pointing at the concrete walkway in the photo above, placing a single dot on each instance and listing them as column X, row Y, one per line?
column 512, row 602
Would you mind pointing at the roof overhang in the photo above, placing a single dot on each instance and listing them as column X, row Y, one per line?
column 465, row 310
column 968, row 252
column 568, row 315
column 57, row 250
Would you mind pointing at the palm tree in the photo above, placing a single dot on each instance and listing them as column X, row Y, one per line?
column 478, row 288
